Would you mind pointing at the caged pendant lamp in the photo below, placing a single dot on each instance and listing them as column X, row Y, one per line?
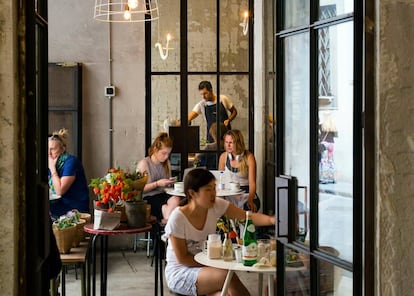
column 126, row 11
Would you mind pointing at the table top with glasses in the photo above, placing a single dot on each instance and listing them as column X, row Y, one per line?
column 233, row 266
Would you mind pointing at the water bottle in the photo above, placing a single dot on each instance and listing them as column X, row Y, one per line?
column 221, row 182
column 249, row 248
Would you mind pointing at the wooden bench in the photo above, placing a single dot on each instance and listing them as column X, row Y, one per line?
column 76, row 256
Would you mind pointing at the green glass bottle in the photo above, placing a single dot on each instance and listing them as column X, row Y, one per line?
column 249, row 248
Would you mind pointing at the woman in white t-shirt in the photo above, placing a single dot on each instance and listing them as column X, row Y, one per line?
column 187, row 228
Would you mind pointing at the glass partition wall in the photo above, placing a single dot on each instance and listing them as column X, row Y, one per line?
column 207, row 43
column 318, row 163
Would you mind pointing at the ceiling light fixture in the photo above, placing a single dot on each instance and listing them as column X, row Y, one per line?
column 126, row 11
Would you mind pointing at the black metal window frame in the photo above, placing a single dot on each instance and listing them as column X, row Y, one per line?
column 362, row 266
column 184, row 75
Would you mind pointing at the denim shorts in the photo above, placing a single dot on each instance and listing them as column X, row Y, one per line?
column 182, row 279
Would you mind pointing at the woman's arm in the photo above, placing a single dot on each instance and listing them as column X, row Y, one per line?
column 259, row 219
column 62, row 184
column 251, row 163
column 180, row 249
column 143, row 167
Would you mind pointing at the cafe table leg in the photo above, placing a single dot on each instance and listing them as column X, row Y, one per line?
column 104, row 263
column 260, row 284
column 270, row 284
column 227, row 282
column 93, row 259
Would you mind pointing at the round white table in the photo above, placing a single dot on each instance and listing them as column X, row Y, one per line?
column 233, row 266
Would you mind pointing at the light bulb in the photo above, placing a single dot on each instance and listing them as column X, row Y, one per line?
column 133, row 4
column 127, row 15
column 168, row 37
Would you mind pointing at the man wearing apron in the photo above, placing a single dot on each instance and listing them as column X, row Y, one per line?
column 207, row 107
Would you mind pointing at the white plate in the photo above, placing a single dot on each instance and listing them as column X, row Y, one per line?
column 227, row 192
column 232, row 191
column 54, row 197
column 173, row 192
column 236, row 191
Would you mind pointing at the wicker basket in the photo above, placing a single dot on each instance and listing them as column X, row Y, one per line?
column 86, row 217
column 79, row 233
column 64, row 238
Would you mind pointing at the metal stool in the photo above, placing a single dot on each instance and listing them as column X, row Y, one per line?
column 147, row 239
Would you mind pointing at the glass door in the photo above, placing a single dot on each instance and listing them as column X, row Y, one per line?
column 317, row 154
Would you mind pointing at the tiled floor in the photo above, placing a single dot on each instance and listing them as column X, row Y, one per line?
column 131, row 273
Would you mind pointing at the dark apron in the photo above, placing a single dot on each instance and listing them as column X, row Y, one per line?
column 210, row 112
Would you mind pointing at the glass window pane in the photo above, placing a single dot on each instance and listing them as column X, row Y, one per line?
column 236, row 88
column 194, row 97
column 333, row 8
column 334, row 280
column 63, row 86
column 270, row 84
column 297, row 273
column 296, row 13
column 297, row 107
column 296, row 141
column 202, row 21
column 168, row 23
column 165, row 109
column 336, row 138
column 234, row 45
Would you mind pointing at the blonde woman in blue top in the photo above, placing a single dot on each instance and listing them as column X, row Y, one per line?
column 66, row 177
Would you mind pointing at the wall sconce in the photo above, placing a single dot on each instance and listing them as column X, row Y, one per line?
column 163, row 55
column 245, row 23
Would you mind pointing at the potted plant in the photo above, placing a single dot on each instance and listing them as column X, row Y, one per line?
column 135, row 207
column 117, row 187
column 64, row 230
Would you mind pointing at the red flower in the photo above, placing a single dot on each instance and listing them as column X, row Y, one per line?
column 118, row 185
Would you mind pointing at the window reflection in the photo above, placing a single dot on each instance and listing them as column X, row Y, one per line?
column 335, row 147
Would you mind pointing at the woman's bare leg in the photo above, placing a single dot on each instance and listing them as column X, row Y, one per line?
column 210, row 281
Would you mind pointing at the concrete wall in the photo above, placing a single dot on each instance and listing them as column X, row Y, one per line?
column 110, row 54
column 395, row 143
column 8, row 143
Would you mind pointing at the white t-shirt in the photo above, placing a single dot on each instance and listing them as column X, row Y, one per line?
column 199, row 108
column 179, row 226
